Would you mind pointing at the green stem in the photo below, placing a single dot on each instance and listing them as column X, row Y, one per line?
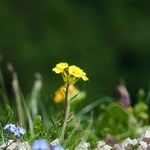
column 66, row 111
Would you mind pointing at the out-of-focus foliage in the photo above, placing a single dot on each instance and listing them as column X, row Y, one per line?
column 117, row 121
column 104, row 118
column 120, row 121
column 141, row 112
column 110, row 39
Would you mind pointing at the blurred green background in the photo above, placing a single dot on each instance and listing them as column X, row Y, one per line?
column 109, row 39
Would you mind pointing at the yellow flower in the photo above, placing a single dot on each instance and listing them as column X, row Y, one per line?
column 60, row 67
column 59, row 95
column 77, row 72
column 70, row 74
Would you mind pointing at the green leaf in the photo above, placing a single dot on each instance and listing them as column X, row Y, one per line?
column 115, row 121
column 91, row 106
column 38, row 128
column 7, row 116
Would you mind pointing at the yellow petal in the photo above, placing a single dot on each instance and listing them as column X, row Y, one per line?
column 56, row 70
column 85, row 78
column 59, row 95
column 75, row 71
column 60, row 67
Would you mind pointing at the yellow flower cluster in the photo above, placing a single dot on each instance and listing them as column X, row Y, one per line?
column 59, row 95
column 70, row 73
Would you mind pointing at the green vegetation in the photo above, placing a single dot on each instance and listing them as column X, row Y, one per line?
column 106, row 118
column 110, row 39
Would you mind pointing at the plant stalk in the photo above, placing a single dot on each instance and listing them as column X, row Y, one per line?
column 66, row 111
